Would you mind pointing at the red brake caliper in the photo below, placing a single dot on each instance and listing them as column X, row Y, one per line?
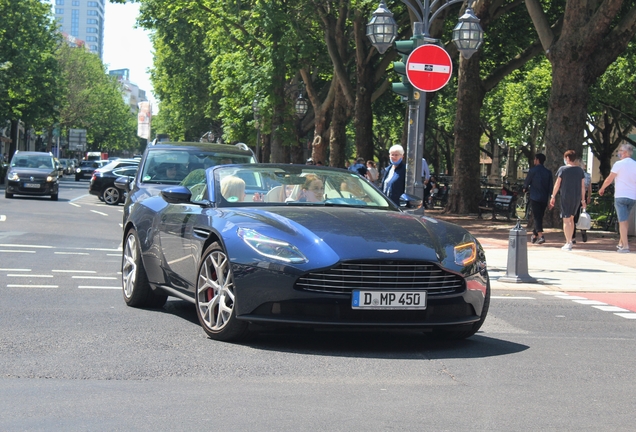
column 210, row 292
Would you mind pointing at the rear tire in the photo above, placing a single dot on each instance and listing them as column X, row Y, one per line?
column 136, row 289
column 111, row 195
column 54, row 197
column 216, row 297
column 8, row 195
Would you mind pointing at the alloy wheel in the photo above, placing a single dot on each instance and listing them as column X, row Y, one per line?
column 215, row 291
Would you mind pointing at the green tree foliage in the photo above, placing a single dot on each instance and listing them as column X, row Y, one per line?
column 92, row 100
column 28, row 66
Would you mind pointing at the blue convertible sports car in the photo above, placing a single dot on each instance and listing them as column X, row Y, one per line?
column 300, row 245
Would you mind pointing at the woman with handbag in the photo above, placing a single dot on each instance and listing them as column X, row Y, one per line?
column 571, row 182
column 588, row 197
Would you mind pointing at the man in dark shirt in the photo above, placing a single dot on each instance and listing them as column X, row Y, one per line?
column 539, row 182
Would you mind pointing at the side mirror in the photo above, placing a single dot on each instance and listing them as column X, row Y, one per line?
column 176, row 195
column 123, row 182
column 410, row 201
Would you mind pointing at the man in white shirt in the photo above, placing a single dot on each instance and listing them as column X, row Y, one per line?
column 426, row 174
column 624, row 172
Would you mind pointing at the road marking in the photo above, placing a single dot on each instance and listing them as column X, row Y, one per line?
column 73, row 204
column 10, row 270
column 117, row 255
column 99, row 213
column 511, row 298
column 94, row 277
column 98, row 287
column 16, row 251
column 74, row 271
column 630, row 315
column 589, row 302
column 28, row 246
column 3, row 218
column 611, row 308
column 29, row 275
column 32, row 286
column 71, row 253
column 569, row 297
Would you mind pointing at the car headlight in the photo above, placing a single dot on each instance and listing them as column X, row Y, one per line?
column 78, row 170
column 465, row 253
column 50, row 179
column 13, row 176
column 271, row 248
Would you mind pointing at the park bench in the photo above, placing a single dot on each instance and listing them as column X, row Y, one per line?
column 502, row 204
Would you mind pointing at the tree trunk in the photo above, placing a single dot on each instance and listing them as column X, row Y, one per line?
column 15, row 136
column 338, row 135
column 465, row 192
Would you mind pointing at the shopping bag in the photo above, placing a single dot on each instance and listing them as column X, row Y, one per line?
column 585, row 221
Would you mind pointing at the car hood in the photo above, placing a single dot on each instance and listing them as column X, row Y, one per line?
column 35, row 172
column 355, row 233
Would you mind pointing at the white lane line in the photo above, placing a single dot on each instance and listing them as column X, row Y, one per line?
column 569, row 297
column 71, row 253
column 611, row 308
column 75, row 205
column 10, row 270
column 99, row 213
column 117, row 255
column 73, row 271
column 589, row 302
column 99, row 287
column 29, row 275
column 102, row 249
column 3, row 218
column 28, row 246
column 16, row 251
column 552, row 293
column 32, row 286
column 630, row 315
column 511, row 298
column 95, row 277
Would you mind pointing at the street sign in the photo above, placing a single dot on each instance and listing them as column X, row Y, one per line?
column 429, row 68
column 77, row 139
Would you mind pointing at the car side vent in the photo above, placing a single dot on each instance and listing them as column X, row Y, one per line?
column 383, row 275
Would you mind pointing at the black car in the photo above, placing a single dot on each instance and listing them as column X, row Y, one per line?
column 86, row 168
column 103, row 180
column 322, row 248
column 183, row 159
column 32, row 173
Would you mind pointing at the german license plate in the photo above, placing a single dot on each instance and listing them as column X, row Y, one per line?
column 32, row 185
column 388, row 300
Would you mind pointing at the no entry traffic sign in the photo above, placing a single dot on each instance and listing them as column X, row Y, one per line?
column 429, row 68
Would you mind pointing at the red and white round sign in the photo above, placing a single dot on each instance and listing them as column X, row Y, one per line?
column 429, row 68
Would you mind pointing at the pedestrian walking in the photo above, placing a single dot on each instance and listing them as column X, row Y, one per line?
column 372, row 172
column 588, row 198
column 624, row 175
column 571, row 183
column 394, row 179
column 539, row 183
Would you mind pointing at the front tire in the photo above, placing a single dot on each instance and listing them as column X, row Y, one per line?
column 54, row 197
column 136, row 289
column 111, row 195
column 216, row 297
column 7, row 194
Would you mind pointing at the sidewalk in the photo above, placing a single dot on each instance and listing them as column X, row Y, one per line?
column 594, row 266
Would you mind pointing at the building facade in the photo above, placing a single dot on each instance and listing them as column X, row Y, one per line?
column 82, row 20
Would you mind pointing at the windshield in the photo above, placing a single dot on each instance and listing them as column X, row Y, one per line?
column 33, row 161
column 302, row 185
column 171, row 166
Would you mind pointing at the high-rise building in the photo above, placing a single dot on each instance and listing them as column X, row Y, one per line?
column 83, row 20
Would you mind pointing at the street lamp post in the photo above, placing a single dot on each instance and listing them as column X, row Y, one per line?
column 382, row 31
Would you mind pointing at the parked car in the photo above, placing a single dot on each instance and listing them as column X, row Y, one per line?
column 322, row 248
column 86, row 168
column 103, row 180
column 32, row 173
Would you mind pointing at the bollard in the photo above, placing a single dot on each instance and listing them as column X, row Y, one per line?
column 517, row 270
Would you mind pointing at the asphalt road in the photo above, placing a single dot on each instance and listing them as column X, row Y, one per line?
column 73, row 356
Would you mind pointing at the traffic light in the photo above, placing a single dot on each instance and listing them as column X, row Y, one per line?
column 404, row 88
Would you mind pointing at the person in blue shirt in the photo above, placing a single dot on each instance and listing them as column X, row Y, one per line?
column 539, row 183
column 394, row 178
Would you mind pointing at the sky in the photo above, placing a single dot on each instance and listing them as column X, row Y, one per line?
column 127, row 47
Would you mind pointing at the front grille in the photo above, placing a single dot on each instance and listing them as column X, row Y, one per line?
column 382, row 275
